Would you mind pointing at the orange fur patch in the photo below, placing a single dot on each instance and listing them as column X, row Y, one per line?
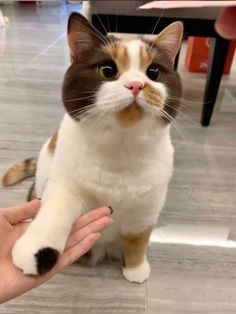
column 20, row 171
column 120, row 55
column 135, row 247
column 32, row 193
column 152, row 95
column 146, row 58
column 130, row 115
column 53, row 143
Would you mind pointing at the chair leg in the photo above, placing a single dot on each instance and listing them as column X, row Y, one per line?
column 217, row 57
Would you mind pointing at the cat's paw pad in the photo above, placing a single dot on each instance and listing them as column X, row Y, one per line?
column 46, row 259
column 137, row 274
column 32, row 258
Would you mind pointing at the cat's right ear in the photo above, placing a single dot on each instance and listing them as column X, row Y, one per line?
column 82, row 36
column 170, row 39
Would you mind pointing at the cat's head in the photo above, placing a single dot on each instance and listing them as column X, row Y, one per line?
column 127, row 80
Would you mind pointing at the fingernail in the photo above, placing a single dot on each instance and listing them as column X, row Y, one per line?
column 111, row 209
column 98, row 234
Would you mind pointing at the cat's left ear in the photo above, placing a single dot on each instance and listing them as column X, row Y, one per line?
column 170, row 39
column 82, row 36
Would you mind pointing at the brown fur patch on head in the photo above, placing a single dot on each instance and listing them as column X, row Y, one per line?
column 130, row 115
column 120, row 55
column 146, row 57
column 152, row 95
column 135, row 247
column 165, row 47
column 82, row 79
column 53, row 143
column 169, row 77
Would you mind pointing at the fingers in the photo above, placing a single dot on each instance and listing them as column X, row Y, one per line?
column 226, row 23
column 21, row 212
column 90, row 217
column 20, row 228
column 74, row 253
column 93, row 227
column 84, row 235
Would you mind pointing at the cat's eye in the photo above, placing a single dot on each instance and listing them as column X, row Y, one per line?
column 153, row 72
column 108, row 70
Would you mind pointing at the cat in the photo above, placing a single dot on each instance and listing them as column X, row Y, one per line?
column 113, row 148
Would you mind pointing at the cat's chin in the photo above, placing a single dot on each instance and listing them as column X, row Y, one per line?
column 130, row 115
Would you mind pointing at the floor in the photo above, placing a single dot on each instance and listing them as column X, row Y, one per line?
column 192, row 254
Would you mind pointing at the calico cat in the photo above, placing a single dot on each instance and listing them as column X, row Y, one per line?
column 113, row 148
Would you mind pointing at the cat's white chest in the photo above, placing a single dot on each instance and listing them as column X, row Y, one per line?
column 110, row 170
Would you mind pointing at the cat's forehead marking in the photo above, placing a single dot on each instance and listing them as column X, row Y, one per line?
column 130, row 54
column 146, row 57
column 140, row 54
column 134, row 47
column 120, row 55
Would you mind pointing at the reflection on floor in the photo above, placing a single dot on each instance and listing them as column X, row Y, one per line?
column 185, row 278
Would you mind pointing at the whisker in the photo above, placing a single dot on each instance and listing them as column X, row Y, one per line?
column 100, row 117
column 81, row 113
column 78, row 114
column 116, row 23
column 185, row 102
column 107, row 39
column 90, row 113
column 182, row 114
column 108, row 23
column 172, row 122
column 88, row 92
column 162, row 12
column 81, row 109
column 188, row 100
column 75, row 99
column 100, row 35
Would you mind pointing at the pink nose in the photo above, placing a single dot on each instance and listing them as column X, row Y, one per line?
column 135, row 87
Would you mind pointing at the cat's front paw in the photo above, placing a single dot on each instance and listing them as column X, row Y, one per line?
column 137, row 274
column 34, row 257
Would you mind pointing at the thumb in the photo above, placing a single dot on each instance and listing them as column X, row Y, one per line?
column 226, row 23
column 21, row 212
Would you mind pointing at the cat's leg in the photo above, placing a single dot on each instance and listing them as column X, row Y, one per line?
column 136, row 227
column 37, row 251
column 136, row 267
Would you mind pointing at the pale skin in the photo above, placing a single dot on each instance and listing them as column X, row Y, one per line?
column 226, row 23
column 85, row 232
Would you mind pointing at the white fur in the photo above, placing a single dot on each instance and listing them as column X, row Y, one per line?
column 138, row 274
column 102, row 164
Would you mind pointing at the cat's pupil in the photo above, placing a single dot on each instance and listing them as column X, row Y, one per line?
column 108, row 69
column 153, row 72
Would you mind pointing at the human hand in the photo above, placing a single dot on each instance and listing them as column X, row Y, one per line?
column 83, row 236
column 226, row 23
